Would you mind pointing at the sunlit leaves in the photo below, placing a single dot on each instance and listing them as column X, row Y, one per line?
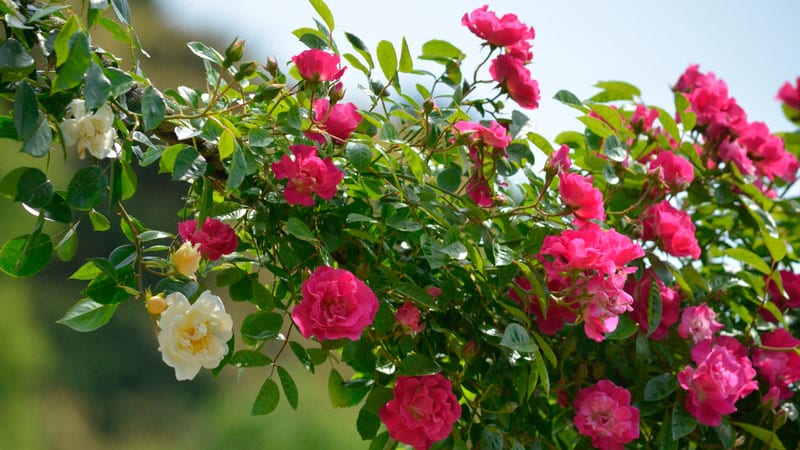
column 87, row 315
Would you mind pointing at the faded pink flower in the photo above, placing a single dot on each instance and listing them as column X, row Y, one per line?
column 318, row 65
column 675, row 171
column 516, row 80
column 584, row 200
column 670, row 304
column 214, row 237
column 723, row 374
column 408, row 316
column 339, row 121
column 780, row 368
column 790, row 95
column 699, row 323
column 307, row 174
column 673, row 229
column 422, row 410
column 502, row 32
column 604, row 413
column 335, row 305
column 495, row 135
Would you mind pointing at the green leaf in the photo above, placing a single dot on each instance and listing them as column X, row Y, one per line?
column 34, row 189
column 767, row 437
column 302, row 355
column 87, row 315
column 14, row 57
column 262, row 325
column 439, row 50
column 416, row 364
column 97, row 86
column 249, row 358
column 568, row 98
column 659, row 387
column 516, row 338
column 616, row 90
column 324, row 12
column 625, row 329
column 68, row 246
column 402, row 224
column 118, row 32
column 205, row 52
column 297, row 228
column 669, row 123
column 267, row 398
column 683, row 423
column 26, row 255
column 368, row 423
column 70, row 74
column 99, row 221
column 450, row 178
column 359, row 155
column 226, row 144
column 61, row 42
column 749, row 258
column 289, row 387
column 120, row 81
column 344, row 395
column 153, row 108
column 38, row 144
column 122, row 11
column 597, row 126
column 654, row 307
column 387, row 58
column 189, row 165
column 406, row 63
column 26, row 111
column 614, row 150
column 87, row 188
column 238, row 169
column 491, row 439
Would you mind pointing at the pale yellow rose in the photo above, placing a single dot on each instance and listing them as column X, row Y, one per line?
column 194, row 336
column 187, row 258
column 90, row 131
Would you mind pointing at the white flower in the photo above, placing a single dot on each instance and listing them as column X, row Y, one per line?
column 90, row 131
column 194, row 335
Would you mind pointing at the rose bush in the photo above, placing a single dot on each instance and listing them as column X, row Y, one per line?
column 629, row 284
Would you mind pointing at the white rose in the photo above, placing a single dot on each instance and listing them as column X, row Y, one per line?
column 90, row 131
column 195, row 335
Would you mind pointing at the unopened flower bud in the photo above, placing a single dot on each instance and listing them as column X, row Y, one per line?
column 234, row 52
column 187, row 258
column 271, row 66
column 336, row 93
column 245, row 70
column 156, row 305
column 428, row 105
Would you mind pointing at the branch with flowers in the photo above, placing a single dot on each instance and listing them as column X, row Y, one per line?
column 465, row 282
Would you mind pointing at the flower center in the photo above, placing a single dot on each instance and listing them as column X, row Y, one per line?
column 197, row 338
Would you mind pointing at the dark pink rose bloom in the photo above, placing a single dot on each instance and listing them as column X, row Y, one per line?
column 512, row 75
column 434, row 291
column 717, row 113
column 215, row 238
column 549, row 322
column 643, row 117
column 559, row 160
column 584, row 200
column 791, row 284
column 318, row 65
column 676, row 171
column 422, row 411
column 670, row 304
column 495, row 135
column 335, row 305
column 307, row 174
column 672, row 228
column 408, row 316
column 479, row 191
column 699, row 323
column 521, row 50
column 767, row 152
column 732, row 152
column 606, row 301
column 339, row 122
column 689, row 79
column 604, row 413
column 780, row 368
column 790, row 95
column 502, row 32
column 723, row 374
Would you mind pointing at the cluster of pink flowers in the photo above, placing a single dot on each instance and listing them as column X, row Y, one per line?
column 486, row 144
column 723, row 374
column 604, row 413
column 509, row 68
column 307, row 174
column 748, row 145
column 778, row 363
column 215, row 238
column 422, row 411
column 673, row 229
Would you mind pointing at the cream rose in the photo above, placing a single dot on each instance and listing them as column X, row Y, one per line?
column 90, row 131
column 195, row 335
column 186, row 258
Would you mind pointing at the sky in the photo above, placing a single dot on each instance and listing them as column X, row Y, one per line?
column 753, row 46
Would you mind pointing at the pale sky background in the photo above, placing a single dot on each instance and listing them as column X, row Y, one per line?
column 753, row 45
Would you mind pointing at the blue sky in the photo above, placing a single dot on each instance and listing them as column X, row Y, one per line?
column 753, row 46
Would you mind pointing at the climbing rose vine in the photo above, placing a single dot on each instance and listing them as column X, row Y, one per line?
column 464, row 281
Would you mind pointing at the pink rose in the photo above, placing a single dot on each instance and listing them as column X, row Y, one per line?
column 408, row 316
column 335, row 305
column 675, row 171
column 512, row 75
column 642, row 118
column 699, row 322
column 215, row 238
column 604, row 413
column 723, row 375
column 434, row 291
column 559, row 160
column 479, row 191
column 673, row 229
column 307, row 174
column 584, row 200
column 422, row 411
column 670, row 304
column 767, row 152
column 339, row 121
column 557, row 313
column 495, row 135
column 606, row 301
column 318, row 65
column 790, row 95
column 780, row 368
column 791, row 284
column 500, row 32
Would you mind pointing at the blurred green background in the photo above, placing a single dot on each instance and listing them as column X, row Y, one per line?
column 60, row 389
